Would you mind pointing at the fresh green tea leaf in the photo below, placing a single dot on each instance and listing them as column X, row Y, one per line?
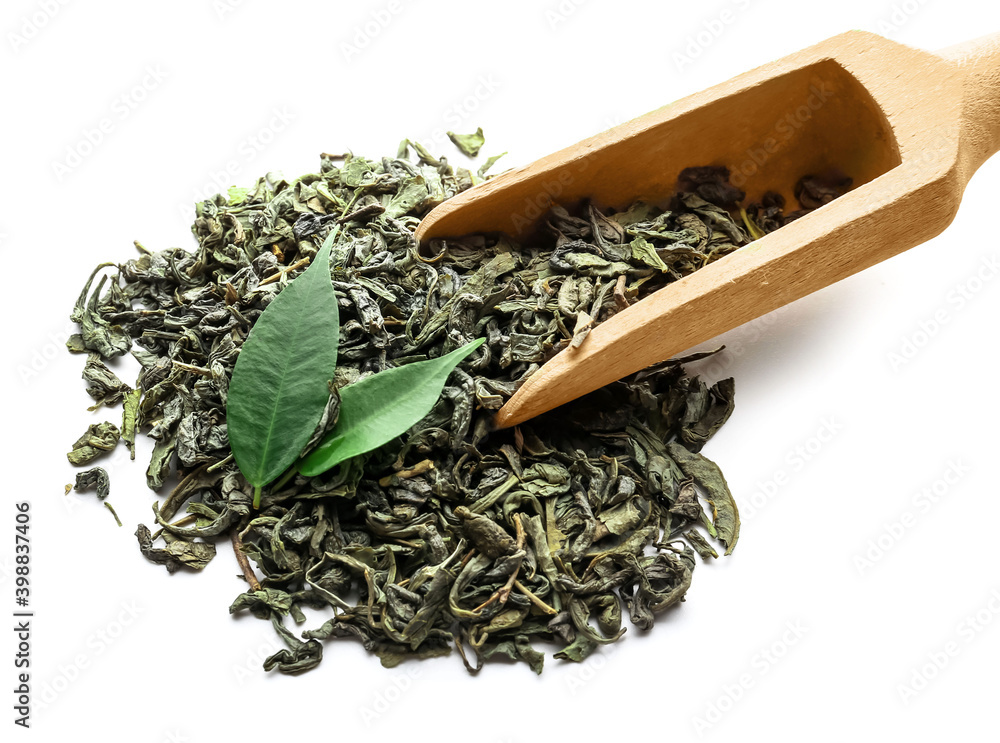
column 377, row 409
column 278, row 390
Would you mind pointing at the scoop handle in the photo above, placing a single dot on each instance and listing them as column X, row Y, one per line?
column 978, row 61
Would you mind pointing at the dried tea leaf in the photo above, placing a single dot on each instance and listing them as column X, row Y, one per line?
column 469, row 144
column 584, row 324
column 707, row 410
column 642, row 250
column 178, row 551
column 517, row 649
column 96, row 478
column 725, row 515
column 701, row 546
column 263, row 602
column 298, row 658
column 102, row 384
column 130, row 417
column 237, row 195
column 159, row 463
column 813, row 191
column 97, row 333
column 413, row 193
column 622, row 519
column 487, row 536
column 490, row 162
column 99, row 439
column 153, row 554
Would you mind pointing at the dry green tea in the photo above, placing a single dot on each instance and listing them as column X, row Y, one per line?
column 323, row 392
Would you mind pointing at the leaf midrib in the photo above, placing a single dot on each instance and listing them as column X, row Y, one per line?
column 274, row 410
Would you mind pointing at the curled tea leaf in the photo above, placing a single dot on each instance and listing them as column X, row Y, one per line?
column 178, row 551
column 706, row 473
column 299, row 657
column 97, row 333
column 490, row 162
column 103, row 384
column 130, row 416
column 194, row 555
column 96, row 478
column 98, row 439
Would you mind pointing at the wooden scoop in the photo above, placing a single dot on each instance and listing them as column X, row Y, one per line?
column 910, row 127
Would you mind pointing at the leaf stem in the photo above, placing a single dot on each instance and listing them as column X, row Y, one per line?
column 256, row 496
column 534, row 599
column 419, row 468
column 241, row 558
column 274, row 277
column 289, row 474
column 108, row 506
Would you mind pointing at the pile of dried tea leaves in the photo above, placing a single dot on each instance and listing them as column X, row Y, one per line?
column 453, row 535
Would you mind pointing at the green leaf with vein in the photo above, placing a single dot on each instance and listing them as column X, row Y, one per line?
column 277, row 393
column 377, row 409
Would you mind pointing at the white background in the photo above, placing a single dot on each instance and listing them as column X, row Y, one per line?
column 121, row 648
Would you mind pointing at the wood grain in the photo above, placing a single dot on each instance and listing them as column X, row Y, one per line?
column 911, row 127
